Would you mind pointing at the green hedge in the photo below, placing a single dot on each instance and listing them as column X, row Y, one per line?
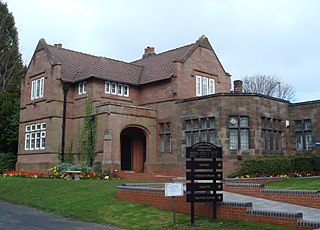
column 7, row 161
column 280, row 165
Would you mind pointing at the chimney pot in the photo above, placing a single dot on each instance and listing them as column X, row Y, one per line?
column 58, row 45
column 149, row 51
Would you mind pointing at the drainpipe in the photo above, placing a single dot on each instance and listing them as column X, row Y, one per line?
column 65, row 89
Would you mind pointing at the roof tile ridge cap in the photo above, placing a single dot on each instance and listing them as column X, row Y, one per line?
column 164, row 52
column 74, row 51
column 116, row 60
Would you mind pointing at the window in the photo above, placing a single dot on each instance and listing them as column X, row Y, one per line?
column 271, row 132
column 165, row 137
column 37, row 88
column 82, row 87
column 35, row 136
column 113, row 88
column 303, row 134
column 239, row 132
column 204, row 86
column 200, row 130
column 126, row 90
column 116, row 89
column 107, row 87
column 120, row 89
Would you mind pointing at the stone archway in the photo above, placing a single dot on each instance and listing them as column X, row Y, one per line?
column 133, row 149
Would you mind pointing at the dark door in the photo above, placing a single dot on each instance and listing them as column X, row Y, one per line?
column 126, row 152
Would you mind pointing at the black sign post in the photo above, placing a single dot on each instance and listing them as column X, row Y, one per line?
column 202, row 165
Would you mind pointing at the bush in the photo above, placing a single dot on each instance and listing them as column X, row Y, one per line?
column 280, row 166
column 7, row 161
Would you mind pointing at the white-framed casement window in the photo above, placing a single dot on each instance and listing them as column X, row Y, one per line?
column 120, row 89
column 37, row 88
column 82, row 87
column 35, row 136
column 126, row 90
column 107, row 87
column 116, row 89
column 204, row 86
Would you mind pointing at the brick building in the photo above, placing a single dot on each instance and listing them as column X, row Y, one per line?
column 148, row 111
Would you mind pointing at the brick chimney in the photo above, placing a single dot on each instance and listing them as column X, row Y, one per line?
column 149, row 51
column 58, row 45
column 238, row 86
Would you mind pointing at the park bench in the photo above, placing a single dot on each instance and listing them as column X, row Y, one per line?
column 73, row 175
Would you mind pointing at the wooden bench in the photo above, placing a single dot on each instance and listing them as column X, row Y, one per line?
column 73, row 175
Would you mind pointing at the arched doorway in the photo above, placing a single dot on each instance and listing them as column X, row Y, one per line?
column 133, row 149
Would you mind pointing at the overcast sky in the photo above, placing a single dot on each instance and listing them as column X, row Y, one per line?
column 274, row 37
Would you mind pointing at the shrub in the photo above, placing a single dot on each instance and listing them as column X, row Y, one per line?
column 7, row 161
column 280, row 166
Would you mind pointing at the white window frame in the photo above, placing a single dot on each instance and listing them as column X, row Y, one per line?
column 113, row 88
column 42, row 139
column 107, row 87
column 82, row 87
column 37, row 88
column 126, row 90
column 35, row 135
column 205, row 86
column 211, row 86
column 120, row 89
column 27, row 141
column 198, row 85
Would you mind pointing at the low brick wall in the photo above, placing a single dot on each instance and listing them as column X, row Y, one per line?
column 309, row 198
column 153, row 195
column 255, row 180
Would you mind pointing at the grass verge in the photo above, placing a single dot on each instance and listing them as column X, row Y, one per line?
column 304, row 183
column 94, row 201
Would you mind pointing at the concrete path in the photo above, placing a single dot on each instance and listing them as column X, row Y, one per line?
column 263, row 204
column 17, row 217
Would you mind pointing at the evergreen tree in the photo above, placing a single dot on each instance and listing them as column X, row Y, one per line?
column 11, row 72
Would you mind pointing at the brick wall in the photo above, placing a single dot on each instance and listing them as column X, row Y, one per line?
column 153, row 195
column 309, row 198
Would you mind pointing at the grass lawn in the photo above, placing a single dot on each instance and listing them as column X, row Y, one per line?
column 94, row 201
column 304, row 183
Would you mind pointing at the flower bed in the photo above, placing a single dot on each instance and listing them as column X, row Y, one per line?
column 59, row 172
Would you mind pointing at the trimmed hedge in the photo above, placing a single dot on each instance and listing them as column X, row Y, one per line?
column 281, row 165
column 7, row 161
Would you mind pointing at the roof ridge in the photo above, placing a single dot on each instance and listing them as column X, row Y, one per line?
column 167, row 51
column 94, row 56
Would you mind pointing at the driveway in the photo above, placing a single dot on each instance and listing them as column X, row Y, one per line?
column 16, row 217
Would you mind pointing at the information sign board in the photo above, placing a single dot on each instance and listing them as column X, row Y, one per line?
column 173, row 189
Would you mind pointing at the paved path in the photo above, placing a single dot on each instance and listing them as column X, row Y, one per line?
column 17, row 217
column 263, row 204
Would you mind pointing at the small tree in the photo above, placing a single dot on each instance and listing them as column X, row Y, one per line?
column 268, row 85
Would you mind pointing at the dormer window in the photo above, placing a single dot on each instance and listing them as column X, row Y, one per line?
column 37, row 88
column 82, row 87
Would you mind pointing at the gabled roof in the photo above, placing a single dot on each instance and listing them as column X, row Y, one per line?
column 77, row 66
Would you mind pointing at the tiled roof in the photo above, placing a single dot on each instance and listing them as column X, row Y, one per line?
column 160, row 66
column 77, row 66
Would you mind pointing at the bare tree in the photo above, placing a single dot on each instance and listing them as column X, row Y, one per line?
column 268, row 85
